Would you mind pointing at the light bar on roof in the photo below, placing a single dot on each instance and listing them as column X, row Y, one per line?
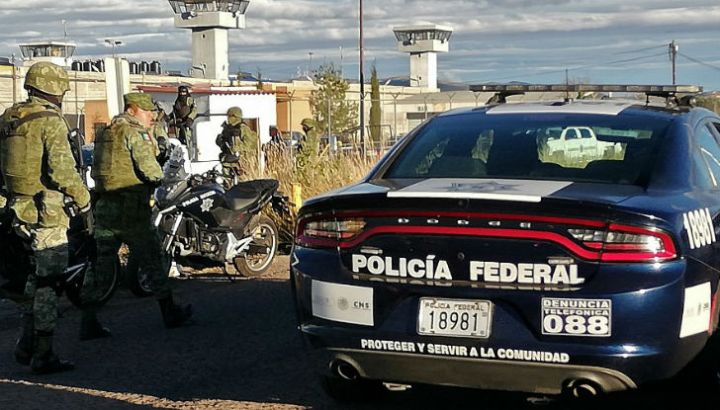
column 621, row 88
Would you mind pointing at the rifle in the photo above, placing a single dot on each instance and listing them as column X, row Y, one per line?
column 76, row 140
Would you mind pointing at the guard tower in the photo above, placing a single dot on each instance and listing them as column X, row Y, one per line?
column 423, row 42
column 58, row 52
column 210, row 21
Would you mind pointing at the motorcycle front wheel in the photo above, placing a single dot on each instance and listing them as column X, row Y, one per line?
column 258, row 258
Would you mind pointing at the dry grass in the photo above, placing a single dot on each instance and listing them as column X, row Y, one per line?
column 313, row 174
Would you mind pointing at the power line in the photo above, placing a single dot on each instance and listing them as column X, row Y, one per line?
column 635, row 58
column 639, row 50
column 695, row 60
column 580, row 67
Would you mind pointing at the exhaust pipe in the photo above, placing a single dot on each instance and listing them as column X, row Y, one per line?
column 583, row 389
column 344, row 370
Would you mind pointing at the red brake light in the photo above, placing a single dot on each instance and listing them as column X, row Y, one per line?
column 589, row 239
column 622, row 243
column 329, row 232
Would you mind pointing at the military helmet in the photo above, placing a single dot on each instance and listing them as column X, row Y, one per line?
column 235, row 112
column 183, row 88
column 308, row 122
column 48, row 78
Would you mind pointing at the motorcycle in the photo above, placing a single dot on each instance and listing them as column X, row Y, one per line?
column 203, row 225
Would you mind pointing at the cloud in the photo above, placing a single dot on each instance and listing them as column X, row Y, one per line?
column 492, row 39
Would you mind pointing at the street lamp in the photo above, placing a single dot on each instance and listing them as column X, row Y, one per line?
column 113, row 43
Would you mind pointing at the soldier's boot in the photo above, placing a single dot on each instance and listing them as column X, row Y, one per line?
column 24, row 345
column 174, row 315
column 44, row 361
column 90, row 327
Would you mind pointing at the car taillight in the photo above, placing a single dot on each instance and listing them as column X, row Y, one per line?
column 329, row 232
column 591, row 240
column 622, row 243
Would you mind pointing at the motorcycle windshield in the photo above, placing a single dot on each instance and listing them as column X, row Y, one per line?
column 174, row 168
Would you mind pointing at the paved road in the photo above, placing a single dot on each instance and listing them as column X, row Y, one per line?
column 242, row 352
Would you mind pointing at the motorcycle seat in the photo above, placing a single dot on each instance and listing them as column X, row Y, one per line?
column 246, row 195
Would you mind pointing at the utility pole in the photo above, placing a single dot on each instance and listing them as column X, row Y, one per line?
column 362, row 85
column 330, row 136
column 672, row 52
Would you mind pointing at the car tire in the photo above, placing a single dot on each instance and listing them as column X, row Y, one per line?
column 351, row 391
column 703, row 372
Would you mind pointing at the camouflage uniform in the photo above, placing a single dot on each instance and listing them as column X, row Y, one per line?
column 3, row 196
column 310, row 145
column 125, row 172
column 237, row 142
column 39, row 171
column 184, row 115
column 160, row 137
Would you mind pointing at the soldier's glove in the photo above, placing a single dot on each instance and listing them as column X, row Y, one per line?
column 88, row 219
column 154, row 183
column 189, row 122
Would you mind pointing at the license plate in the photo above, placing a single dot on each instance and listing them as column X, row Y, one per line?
column 454, row 317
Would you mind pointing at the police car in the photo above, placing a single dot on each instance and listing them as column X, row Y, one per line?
column 474, row 256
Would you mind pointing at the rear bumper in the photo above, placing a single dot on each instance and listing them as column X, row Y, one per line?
column 645, row 344
column 486, row 374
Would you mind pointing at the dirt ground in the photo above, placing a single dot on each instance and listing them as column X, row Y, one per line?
column 242, row 351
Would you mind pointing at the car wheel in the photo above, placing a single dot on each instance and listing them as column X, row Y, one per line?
column 351, row 391
column 703, row 372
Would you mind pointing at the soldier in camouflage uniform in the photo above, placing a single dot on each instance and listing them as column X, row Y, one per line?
column 3, row 196
column 183, row 117
column 125, row 173
column 42, row 181
column 238, row 144
column 311, row 143
column 160, row 135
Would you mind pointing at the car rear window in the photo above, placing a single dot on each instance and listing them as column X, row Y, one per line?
column 583, row 148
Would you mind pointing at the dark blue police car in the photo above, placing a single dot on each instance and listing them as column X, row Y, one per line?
column 553, row 247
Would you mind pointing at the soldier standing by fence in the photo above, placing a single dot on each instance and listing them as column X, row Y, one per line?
column 238, row 145
column 311, row 143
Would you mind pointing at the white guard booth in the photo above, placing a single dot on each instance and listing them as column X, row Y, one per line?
column 212, row 104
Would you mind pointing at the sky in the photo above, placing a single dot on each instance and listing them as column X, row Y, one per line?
column 609, row 41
